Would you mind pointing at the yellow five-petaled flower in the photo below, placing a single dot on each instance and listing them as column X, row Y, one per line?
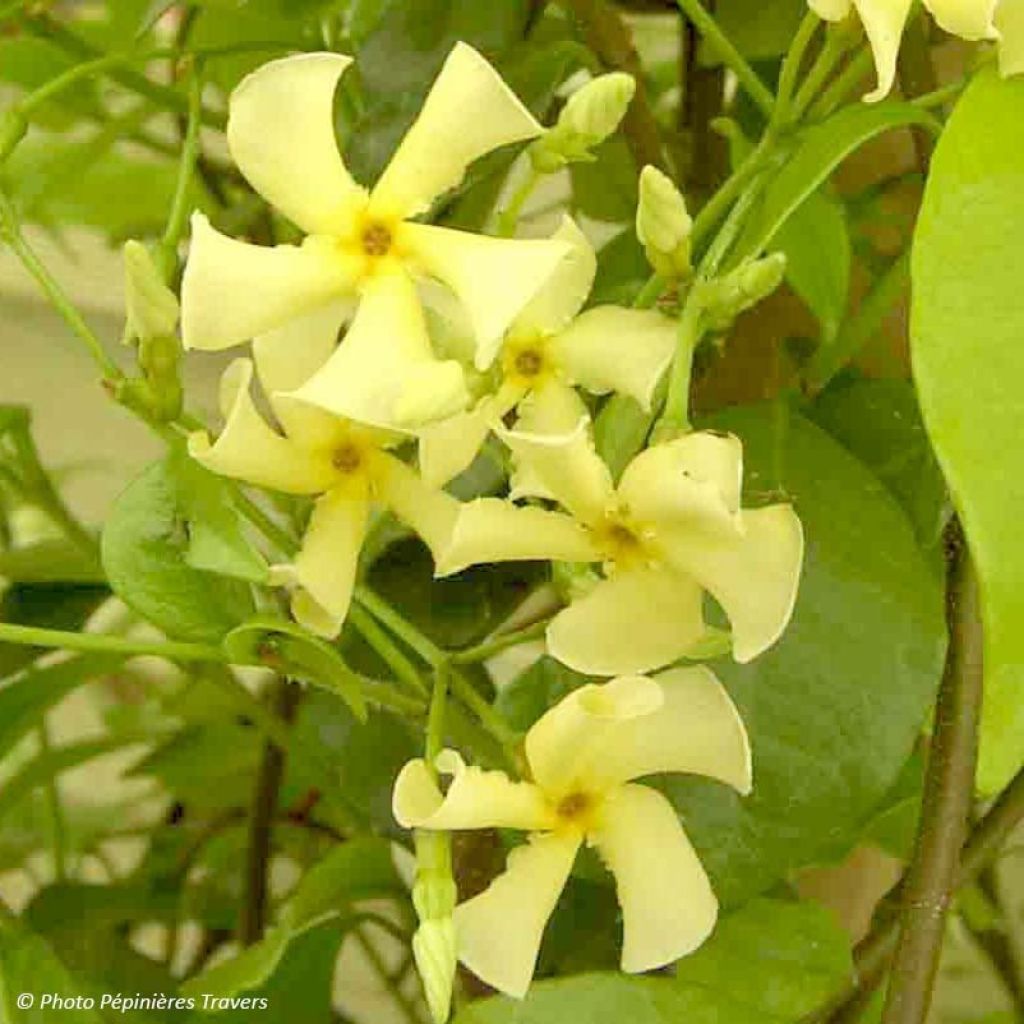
column 362, row 244
column 583, row 755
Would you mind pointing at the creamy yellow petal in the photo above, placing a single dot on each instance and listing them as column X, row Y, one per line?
column 233, row 291
column 248, row 449
column 1009, row 21
column 668, row 907
column 281, row 134
column 492, row 530
column 468, row 112
column 697, row 730
column 493, row 278
column 384, row 372
column 427, row 510
column 754, row 575
column 565, row 292
column 448, row 446
column 565, row 743
column 325, row 568
column 831, row 10
column 638, row 620
column 969, row 19
column 694, row 480
column 474, row 799
column 567, row 466
column 609, row 348
column 883, row 21
column 499, row 931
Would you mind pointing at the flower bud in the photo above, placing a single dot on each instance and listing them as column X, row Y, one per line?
column 151, row 308
column 746, row 286
column 433, row 947
column 589, row 116
column 13, row 126
column 434, row 896
column 663, row 224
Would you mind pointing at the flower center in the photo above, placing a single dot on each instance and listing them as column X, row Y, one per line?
column 376, row 239
column 529, row 362
column 346, row 458
column 574, row 806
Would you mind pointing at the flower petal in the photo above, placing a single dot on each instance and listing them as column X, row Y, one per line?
column 427, row 510
column 637, row 620
column 281, row 134
column 448, row 446
column 499, row 931
column 969, row 19
column 248, row 449
column 384, row 372
column 1009, row 21
column 694, row 480
column 831, row 10
column 492, row 530
column 753, row 575
column 565, row 292
column 325, row 567
column 884, row 21
column 493, row 278
column 566, row 743
column 668, row 907
column 474, row 799
column 468, row 112
column 609, row 348
column 233, row 291
column 566, row 465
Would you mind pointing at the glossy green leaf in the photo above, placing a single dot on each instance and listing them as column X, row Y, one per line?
column 144, row 546
column 967, row 326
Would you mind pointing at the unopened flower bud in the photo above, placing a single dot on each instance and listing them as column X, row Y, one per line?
column 433, row 947
column 589, row 116
column 728, row 297
column 13, row 127
column 663, row 224
column 151, row 308
column 434, row 896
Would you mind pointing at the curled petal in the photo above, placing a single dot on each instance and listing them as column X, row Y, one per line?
column 248, row 449
column 613, row 349
column 499, row 931
column 233, row 291
column 637, row 620
column 1009, row 22
column 493, row 278
column 281, row 135
column 567, row 743
column 427, row 510
column 884, row 21
column 754, row 575
column 492, row 530
column 692, row 481
column 324, row 570
column 468, row 112
column 969, row 19
column 565, row 292
column 384, row 372
column 474, row 799
column 668, row 907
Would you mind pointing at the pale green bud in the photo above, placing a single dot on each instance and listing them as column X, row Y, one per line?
column 589, row 116
column 433, row 947
column 151, row 308
column 663, row 224
column 725, row 299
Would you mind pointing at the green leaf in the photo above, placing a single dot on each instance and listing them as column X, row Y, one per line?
column 818, row 151
column 217, row 541
column 49, row 561
column 144, row 547
column 967, row 326
column 757, row 29
column 834, row 708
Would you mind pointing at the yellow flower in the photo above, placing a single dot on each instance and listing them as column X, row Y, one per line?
column 884, row 21
column 672, row 529
column 550, row 347
column 364, row 243
column 583, row 755
column 345, row 463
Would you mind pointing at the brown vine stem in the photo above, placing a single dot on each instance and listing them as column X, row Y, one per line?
column 609, row 37
column 253, row 910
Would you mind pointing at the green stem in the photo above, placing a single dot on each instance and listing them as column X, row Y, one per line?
column 178, row 218
column 58, row 831
column 487, row 649
column 650, row 293
column 844, row 84
column 941, row 96
column 723, row 45
column 791, row 66
column 837, row 42
column 435, row 718
column 508, row 219
column 10, row 233
column 675, row 419
column 369, row 629
column 286, row 544
column 37, row 636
